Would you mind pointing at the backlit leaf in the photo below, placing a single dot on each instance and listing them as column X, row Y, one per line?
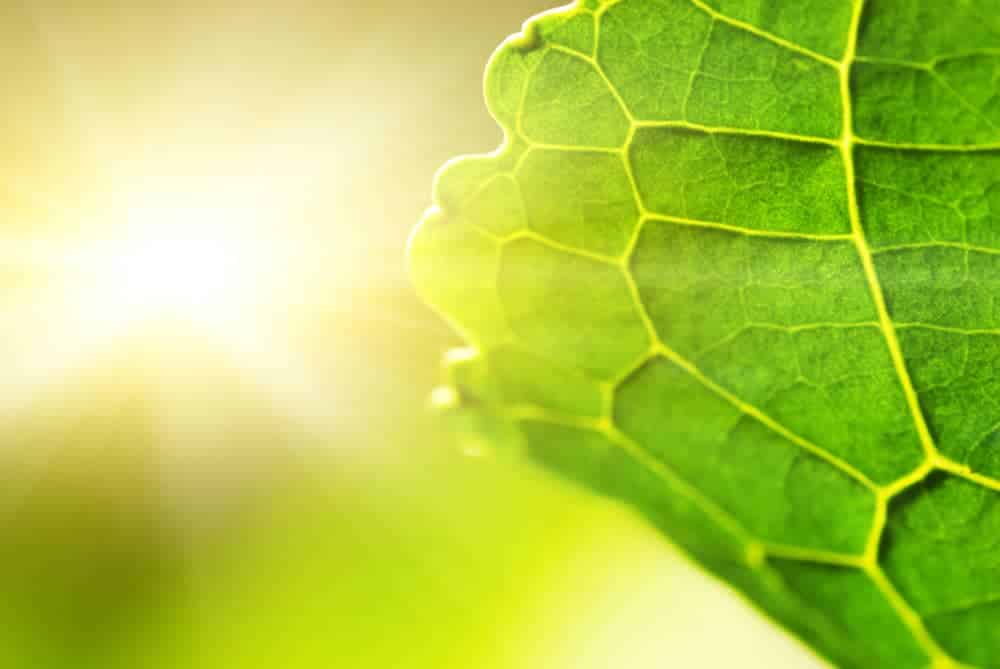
column 737, row 265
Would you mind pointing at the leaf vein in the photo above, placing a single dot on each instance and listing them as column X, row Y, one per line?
column 770, row 37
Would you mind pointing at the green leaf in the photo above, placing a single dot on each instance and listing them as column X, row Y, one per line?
column 737, row 265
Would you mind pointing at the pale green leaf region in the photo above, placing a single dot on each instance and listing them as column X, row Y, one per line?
column 737, row 267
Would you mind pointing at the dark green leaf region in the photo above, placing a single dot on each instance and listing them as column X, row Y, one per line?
column 737, row 267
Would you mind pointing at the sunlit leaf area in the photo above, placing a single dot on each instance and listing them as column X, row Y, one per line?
column 217, row 448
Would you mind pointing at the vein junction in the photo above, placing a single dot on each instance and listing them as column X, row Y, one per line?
column 845, row 146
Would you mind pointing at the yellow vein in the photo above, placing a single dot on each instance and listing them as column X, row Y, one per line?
column 965, row 472
column 750, row 326
column 819, row 619
column 541, row 415
column 604, row 77
column 907, row 481
column 650, row 354
column 799, row 554
column 883, row 497
column 944, row 148
column 578, row 148
column 766, row 420
column 926, row 64
column 559, row 246
column 929, row 245
column 630, row 173
column 633, row 288
column 770, row 37
column 803, row 327
column 910, row 618
column 746, row 408
column 874, row 540
column 969, row 53
column 962, row 100
column 709, row 506
column 867, row 261
column 741, row 132
column 696, row 69
column 892, row 62
column 604, row 427
column 522, row 98
column 914, row 325
column 778, row 234
column 486, row 232
column 947, row 662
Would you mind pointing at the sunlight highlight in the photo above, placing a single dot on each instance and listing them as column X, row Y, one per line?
column 170, row 258
column 208, row 258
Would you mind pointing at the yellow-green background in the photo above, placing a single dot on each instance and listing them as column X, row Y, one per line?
column 256, row 541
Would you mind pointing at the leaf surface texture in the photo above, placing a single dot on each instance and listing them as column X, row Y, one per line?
column 737, row 266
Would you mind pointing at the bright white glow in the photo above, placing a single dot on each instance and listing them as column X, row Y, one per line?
column 171, row 257
column 196, row 256
column 193, row 275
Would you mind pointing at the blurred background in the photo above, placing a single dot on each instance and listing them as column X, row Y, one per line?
column 216, row 447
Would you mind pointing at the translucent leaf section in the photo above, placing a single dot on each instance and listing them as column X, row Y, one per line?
column 752, row 182
column 548, row 295
column 737, row 266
